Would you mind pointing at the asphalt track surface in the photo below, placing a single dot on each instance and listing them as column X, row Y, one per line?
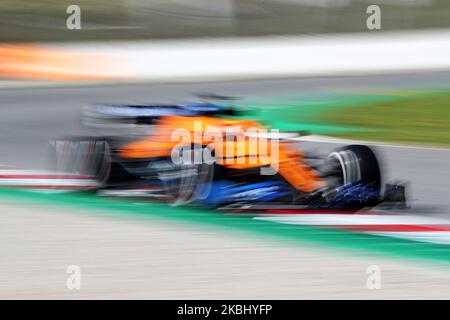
column 127, row 258
column 29, row 118
column 131, row 258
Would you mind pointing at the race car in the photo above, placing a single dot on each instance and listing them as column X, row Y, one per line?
column 205, row 153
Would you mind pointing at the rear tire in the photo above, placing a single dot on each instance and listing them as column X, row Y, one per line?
column 82, row 156
column 190, row 182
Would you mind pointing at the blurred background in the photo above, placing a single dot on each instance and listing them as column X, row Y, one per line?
column 299, row 65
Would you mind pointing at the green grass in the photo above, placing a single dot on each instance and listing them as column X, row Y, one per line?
column 420, row 117
column 418, row 120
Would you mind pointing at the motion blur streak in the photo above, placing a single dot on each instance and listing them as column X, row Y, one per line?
column 32, row 61
column 80, row 110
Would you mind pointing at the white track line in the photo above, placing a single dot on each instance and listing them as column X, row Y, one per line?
column 48, row 182
column 353, row 219
column 328, row 139
column 14, row 177
column 372, row 222
column 438, row 237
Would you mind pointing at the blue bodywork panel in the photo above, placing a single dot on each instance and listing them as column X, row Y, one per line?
column 354, row 194
column 224, row 191
column 155, row 110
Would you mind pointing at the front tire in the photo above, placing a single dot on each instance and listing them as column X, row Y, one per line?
column 356, row 163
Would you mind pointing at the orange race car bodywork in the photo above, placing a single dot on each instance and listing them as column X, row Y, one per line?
column 239, row 152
